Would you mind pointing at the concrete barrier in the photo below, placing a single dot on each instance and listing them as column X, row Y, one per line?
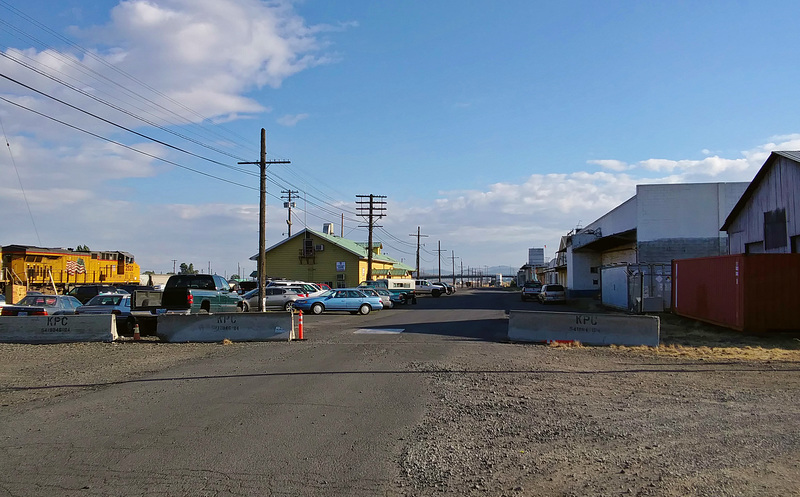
column 237, row 327
column 58, row 329
column 587, row 328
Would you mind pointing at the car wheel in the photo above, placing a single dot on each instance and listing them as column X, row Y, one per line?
column 288, row 306
column 403, row 299
column 241, row 307
column 317, row 308
column 364, row 309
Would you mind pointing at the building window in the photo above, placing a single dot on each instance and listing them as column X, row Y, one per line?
column 754, row 248
column 593, row 269
column 775, row 229
column 796, row 244
column 308, row 247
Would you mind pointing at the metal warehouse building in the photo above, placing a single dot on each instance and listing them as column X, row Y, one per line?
column 629, row 250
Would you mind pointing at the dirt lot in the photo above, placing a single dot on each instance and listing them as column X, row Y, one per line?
column 710, row 412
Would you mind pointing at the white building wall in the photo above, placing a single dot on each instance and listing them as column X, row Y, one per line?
column 581, row 281
column 695, row 210
column 678, row 221
column 619, row 220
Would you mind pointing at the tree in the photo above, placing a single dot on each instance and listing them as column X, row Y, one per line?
column 187, row 269
column 82, row 248
column 234, row 277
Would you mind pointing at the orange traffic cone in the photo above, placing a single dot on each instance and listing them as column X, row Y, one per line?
column 136, row 335
column 300, row 326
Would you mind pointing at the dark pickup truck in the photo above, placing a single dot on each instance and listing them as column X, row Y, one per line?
column 184, row 294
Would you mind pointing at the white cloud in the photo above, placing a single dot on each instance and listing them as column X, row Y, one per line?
column 612, row 165
column 291, row 120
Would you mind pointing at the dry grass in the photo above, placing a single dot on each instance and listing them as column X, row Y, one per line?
column 227, row 341
column 562, row 344
column 746, row 353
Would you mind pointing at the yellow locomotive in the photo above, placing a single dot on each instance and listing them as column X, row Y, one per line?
column 37, row 268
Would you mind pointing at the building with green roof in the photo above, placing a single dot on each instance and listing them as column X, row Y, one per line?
column 323, row 257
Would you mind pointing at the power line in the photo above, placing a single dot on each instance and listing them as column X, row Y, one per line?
column 125, row 146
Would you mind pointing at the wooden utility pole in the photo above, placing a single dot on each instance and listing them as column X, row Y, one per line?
column 262, row 221
column 376, row 209
column 289, row 205
column 439, row 253
column 418, row 236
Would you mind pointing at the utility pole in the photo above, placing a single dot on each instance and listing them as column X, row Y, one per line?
column 173, row 265
column 453, row 257
column 418, row 236
column 439, row 253
column 288, row 205
column 376, row 209
column 262, row 221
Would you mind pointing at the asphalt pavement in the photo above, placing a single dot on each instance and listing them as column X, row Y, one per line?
column 326, row 416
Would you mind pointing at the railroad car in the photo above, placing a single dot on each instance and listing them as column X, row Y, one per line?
column 44, row 268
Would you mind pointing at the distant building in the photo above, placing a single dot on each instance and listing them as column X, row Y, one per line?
column 536, row 256
column 765, row 219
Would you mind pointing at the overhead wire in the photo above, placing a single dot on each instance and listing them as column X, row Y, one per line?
column 323, row 205
column 119, row 71
column 21, row 187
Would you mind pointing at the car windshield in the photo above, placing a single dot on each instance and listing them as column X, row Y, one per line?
column 49, row 300
column 105, row 300
column 554, row 288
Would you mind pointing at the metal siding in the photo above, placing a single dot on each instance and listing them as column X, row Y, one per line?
column 778, row 188
column 709, row 289
column 753, row 293
column 772, row 292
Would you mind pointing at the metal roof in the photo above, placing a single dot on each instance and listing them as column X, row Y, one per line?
column 751, row 188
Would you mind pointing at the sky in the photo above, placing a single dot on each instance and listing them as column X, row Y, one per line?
column 493, row 127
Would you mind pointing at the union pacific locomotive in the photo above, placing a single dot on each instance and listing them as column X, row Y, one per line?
column 44, row 268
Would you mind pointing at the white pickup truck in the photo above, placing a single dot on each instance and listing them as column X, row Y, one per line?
column 425, row 287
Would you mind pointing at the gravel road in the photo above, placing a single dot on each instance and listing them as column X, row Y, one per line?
column 513, row 419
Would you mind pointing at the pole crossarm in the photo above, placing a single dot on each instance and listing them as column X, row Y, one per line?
column 372, row 209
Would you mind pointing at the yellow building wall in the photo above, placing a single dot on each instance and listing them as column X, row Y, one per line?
column 285, row 262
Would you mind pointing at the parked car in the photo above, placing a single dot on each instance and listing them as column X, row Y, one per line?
column 311, row 289
column 381, row 293
column 278, row 297
column 530, row 291
column 85, row 292
column 449, row 289
column 552, row 293
column 341, row 299
column 42, row 305
column 118, row 304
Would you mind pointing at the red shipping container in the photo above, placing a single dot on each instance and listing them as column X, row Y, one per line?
column 753, row 292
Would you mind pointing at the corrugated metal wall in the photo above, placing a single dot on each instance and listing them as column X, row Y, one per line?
column 755, row 292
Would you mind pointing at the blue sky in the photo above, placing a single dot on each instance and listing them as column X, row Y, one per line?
column 493, row 126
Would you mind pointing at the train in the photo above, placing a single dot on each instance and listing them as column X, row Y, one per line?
column 58, row 269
